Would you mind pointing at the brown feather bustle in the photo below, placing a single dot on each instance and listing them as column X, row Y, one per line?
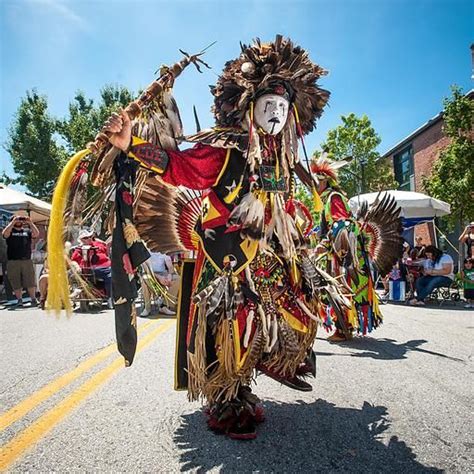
column 381, row 222
column 166, row 216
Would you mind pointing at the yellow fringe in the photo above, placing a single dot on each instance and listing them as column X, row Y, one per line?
column 317, row 202
column 58, row 288
column 375, row 304
column 352, row 318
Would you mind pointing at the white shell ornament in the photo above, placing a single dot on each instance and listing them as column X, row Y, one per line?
column 247, row 67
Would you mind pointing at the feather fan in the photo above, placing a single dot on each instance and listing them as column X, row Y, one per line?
column 382, row 228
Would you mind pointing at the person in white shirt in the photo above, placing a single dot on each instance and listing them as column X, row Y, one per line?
column 438, row 271
column 162, row 266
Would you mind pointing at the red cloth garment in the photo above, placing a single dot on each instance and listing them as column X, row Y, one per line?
column 96, row 256
column 196, row 168
column 338, row 209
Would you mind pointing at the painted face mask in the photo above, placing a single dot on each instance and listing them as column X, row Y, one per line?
column 271, row 112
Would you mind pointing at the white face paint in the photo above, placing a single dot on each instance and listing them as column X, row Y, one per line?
column 271, row 112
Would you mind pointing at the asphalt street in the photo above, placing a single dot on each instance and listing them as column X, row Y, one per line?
column 400, row 400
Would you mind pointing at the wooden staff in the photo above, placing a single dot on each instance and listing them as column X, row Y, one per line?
column 166, row 80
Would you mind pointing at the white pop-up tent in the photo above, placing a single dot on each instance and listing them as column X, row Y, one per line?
column 414, row 206
column 14, row 201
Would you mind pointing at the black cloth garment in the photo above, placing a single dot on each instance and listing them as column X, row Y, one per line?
column 126, row 258
column 19, row 244
column 184, row 305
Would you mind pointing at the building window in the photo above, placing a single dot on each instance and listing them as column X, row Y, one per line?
column 403, row 168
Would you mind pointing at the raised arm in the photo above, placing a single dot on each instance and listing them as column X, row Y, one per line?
column 34, row 230
column 196, row 168
column 8, row 229
column 463, row 237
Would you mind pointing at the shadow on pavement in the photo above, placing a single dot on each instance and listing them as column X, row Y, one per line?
column 300, row 437
column 385, row 349
column 160, row 316
column 446, row 306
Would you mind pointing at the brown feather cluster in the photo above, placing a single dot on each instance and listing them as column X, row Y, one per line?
column 155, row 215
column 262, row 66
column 382, row 223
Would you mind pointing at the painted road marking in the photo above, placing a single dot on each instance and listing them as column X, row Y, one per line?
column 32, row 434
column 22, row 408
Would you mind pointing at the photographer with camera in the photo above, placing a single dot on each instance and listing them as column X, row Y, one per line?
column 20, row 270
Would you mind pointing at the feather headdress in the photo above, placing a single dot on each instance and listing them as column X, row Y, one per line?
column 324, row 168
column 276, row 67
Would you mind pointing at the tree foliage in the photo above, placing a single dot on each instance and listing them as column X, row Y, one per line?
column 85, row 118
column 357, row 138
column 39, row 144
column 452, row 176
column 36, row 156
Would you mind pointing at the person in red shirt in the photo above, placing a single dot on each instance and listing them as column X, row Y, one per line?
column 92, row 255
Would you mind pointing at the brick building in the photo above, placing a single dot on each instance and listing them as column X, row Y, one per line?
column 413, row 158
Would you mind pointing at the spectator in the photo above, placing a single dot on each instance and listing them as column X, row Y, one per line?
column 419, row 247
column 438, row 271
column 20, row 271
column 414, row 267
column 468, row 238
column 93, row 257
column 468, row 282
column 162, row 266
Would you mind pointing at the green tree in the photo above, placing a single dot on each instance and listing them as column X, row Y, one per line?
column 452, row 176
column 35, row 154
column 357, row 138
column 85, row 118
column 39, row 145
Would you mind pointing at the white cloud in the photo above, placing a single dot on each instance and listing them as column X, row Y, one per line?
column 63, row 10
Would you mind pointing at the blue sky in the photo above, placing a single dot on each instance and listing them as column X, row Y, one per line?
column 393, row 60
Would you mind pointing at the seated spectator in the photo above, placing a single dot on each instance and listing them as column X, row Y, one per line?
column 20, row 271
column 438, row 271
column 162, row 267
column 93, row 257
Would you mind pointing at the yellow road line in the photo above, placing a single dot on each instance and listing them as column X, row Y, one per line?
column 31, row 435
column 22, row 408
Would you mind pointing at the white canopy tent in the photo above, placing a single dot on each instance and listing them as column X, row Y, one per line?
column 15, row 201
column 413, row 205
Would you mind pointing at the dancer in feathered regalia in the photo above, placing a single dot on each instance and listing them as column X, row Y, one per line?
column 252, row 298
column 355, row 246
